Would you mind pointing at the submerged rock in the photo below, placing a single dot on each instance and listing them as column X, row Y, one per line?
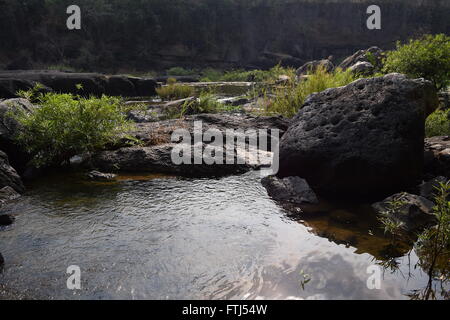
column 100, row 176
column 413, row 212
column 364, row 139
column 429, row 189
column 8, row 175
column 290, row 189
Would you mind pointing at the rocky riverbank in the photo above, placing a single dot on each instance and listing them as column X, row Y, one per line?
column 75, row 83
column 361, row 142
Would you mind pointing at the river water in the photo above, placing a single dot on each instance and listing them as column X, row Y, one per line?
column 158, row 237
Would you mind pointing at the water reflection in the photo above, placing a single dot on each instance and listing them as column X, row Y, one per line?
column 157, row 237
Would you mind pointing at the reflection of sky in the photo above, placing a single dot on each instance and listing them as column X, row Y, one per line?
column 175, row 239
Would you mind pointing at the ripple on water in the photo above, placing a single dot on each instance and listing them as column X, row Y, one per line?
column 165, row 237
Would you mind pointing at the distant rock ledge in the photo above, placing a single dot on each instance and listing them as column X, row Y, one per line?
column 67, row 82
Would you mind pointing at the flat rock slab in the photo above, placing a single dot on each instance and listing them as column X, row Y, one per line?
column 67, row 82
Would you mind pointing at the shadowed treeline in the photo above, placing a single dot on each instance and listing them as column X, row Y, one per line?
column 126, row 35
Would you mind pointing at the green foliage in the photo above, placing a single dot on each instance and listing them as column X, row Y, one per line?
column 211, row 75
column 175, row 91
column 433, row 245
column 391, row 225
column 239, row 75
column 61, row 67
column 427, row 57
column 287, row 100
column 66, row 125
column 438, row 124
column 30, row 94
column 179, row 71
column 205, row 103
column 171, row 81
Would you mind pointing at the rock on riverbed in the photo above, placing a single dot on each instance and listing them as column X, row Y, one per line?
column 364, row 139
column 156, row 153
column 412, row 212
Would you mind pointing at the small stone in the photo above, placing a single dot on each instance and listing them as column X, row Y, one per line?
column 100, row 176
column 291, row 189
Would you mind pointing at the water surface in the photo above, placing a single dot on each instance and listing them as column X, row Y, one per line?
column 156, row 237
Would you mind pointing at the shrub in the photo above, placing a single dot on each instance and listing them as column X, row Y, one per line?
column 427, row 57
column 214, row 75
column 66, row 125
column 179, row 71
column 211, row 75
column 438, row 124
column 175, row 91
column 287, row 100
column 206, row 103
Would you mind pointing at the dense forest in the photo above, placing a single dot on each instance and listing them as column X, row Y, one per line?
column 127, row 35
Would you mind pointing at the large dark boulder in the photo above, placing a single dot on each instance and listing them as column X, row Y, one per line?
column 8, row 175
column 366, row 138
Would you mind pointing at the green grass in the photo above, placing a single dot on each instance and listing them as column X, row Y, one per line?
column 287, row 100
column 175, row 91
column 179, row 71
column 206, row 102
column 240, row 75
